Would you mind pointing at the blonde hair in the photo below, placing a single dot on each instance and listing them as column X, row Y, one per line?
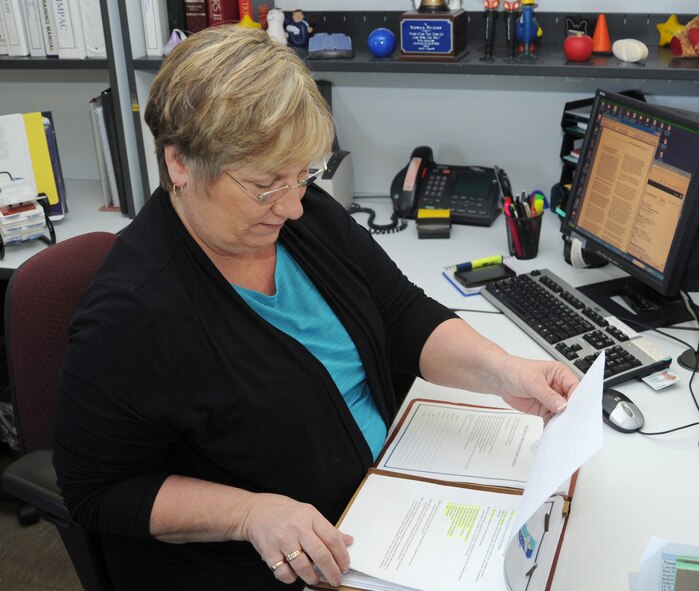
column 232, row 97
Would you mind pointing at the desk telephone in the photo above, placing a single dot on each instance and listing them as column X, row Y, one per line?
column 472, row 193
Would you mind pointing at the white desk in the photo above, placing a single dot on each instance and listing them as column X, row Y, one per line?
column 84, row 201
column 636, row 486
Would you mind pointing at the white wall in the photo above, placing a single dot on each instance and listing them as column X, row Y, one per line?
column 506, row 120
column 24, row 91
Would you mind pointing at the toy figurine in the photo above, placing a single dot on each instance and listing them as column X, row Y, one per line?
column 527, row 29
column 275, row 25
column 511, row 9
column 685, row 43
column 669, row 29
column 298, row 29
column 431, row 5
column 490, row 7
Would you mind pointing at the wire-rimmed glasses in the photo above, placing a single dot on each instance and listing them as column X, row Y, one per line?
column 279, row 192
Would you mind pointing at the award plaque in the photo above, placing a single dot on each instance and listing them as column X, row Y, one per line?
column 434, row 37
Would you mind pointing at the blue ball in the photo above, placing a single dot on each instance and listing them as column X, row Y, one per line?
column 381, row 42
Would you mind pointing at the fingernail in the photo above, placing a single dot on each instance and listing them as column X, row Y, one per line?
column 561, row 407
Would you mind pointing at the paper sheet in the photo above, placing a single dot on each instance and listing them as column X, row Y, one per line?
column 569, row 440
column 657, row 570
column 461, row 533
column 464, row 444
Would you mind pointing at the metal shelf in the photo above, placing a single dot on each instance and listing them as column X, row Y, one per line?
column 549, row 61
column 45, row 63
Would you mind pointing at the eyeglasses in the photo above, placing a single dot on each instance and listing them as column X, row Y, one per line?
column 279, row 192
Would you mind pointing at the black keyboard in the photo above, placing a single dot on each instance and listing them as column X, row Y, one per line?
column 572, row 328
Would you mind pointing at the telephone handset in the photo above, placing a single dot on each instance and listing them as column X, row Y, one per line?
column 472, row 193
column 405, row 185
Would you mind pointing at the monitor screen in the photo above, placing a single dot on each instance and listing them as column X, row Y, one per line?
column 635, row 196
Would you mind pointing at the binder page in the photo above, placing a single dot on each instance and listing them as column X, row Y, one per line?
column 427, row 536
column 464, row 444
column 15, row 157
column 531, row 553
column 569, row 440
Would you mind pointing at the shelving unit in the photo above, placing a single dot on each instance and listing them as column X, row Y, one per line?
column 65, row 87
column 550, row 65
column 130, row 73
column 550, row 60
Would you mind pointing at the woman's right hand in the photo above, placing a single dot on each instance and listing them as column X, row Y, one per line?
column 281, row 529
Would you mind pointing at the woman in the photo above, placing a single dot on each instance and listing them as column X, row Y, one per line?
column 234, row 365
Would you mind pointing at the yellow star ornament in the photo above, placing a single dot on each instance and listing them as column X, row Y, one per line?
column 669, row 29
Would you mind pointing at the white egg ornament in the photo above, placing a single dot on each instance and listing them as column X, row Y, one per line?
column 630, row 50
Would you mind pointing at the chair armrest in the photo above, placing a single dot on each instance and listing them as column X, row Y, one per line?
column 32, row 478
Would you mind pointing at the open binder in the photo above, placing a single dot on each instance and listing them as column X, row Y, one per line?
column 436, row 511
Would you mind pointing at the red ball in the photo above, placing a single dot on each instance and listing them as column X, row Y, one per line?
column 578, row 48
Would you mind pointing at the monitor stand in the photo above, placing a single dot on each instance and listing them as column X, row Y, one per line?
column 650, row 309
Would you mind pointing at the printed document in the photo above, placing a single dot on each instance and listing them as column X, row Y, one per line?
column 465, row 497
column 464, row 444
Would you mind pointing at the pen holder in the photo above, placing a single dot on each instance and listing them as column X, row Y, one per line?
column 523, row 236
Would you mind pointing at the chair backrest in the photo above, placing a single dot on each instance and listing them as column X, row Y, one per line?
column 41, row 298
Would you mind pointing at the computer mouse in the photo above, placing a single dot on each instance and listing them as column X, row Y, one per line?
column 620, row 413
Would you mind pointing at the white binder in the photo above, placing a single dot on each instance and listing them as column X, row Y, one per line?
column 15, row 30
column 95, row 45
column 69, row 29
column 35, row 35
column 155, row 25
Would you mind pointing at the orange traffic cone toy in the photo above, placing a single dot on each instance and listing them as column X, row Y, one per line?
column 601, row 44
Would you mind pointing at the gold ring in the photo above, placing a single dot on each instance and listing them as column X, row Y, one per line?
column 276, row 565
column 295, row 554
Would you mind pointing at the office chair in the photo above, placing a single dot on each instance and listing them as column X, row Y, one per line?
column 40, row 301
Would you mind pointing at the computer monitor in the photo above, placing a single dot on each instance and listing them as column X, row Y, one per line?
column 634, row 201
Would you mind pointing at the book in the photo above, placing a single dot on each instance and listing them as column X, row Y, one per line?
column 58, row 210
column 32, row 15
column 175, row 15
column 3, row 36
column 69, row 29
column 195, row 15
column 222, row 11
column 463, row 496
column 48, row 28
column 91, row 15
column 110, row 193
column 17, row 161
column 109, row 113
column 155, row 25
column 15, row 27
column 40, row 157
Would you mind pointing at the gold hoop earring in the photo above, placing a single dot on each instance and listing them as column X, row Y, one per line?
column 177, row 190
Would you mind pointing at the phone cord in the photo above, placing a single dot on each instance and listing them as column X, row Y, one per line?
column 396, row 225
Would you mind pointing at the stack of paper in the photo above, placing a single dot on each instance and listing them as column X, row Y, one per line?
column 21, row 222
column 465, row 497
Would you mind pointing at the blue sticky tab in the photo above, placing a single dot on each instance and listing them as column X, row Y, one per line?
column 526, row 541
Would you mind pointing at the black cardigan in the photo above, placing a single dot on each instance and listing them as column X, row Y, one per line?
column 170, row 372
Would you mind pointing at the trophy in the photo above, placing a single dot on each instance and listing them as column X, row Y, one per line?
column 433, row 32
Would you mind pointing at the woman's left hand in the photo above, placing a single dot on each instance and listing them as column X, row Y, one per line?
column 540, row 388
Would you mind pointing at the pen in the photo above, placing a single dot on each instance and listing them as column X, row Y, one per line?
column 477, row 264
